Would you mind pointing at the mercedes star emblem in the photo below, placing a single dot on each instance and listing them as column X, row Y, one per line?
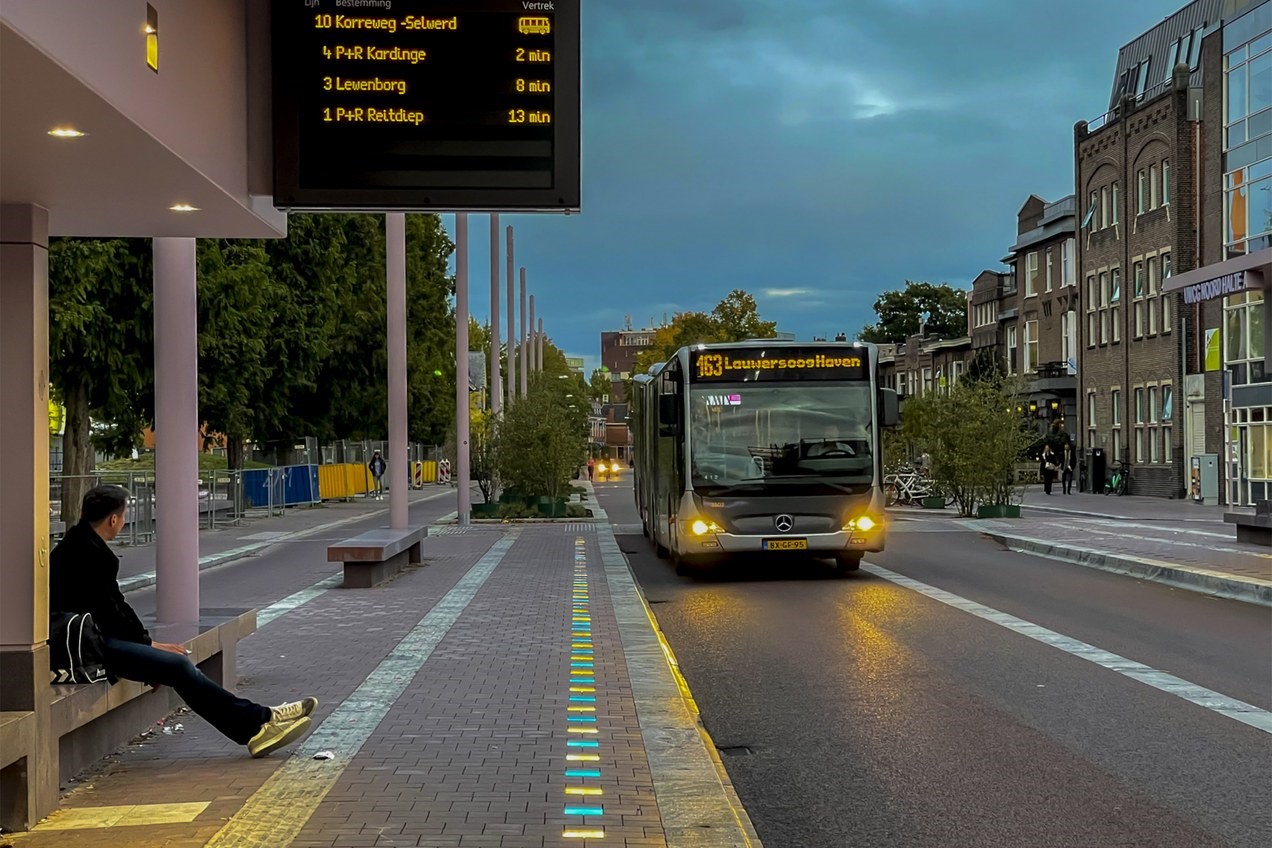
column 784, row 523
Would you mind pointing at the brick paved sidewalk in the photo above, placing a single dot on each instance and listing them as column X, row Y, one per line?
column 488, row 698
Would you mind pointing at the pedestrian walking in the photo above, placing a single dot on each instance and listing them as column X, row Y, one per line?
column 1047, row 467
column 591, row 467
column 378, row 466
column 1068, row 460
column 84, row 578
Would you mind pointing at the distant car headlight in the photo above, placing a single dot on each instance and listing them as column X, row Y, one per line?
column 600, row 468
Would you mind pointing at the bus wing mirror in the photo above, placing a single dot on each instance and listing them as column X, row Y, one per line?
column 889, row 415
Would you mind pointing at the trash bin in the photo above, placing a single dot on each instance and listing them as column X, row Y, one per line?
column 1097, row 471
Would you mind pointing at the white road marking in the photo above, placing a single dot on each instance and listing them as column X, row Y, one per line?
column 1232, row 708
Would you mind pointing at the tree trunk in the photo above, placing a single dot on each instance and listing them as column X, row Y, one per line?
column 234, row 453
column 78, row 458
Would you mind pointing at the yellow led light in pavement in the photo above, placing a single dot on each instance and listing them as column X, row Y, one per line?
column 581, row 730
column 584, row 833
column 584, row 790
column 581, row 709
column 582, row 688
column 583, row 758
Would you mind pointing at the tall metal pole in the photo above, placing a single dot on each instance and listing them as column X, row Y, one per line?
column 538, row 356
column 176, row 313
column 461, row 367
column 395, row 264
column 534, row 364
column 496, row 380
column 512, row 324
column 525, row 348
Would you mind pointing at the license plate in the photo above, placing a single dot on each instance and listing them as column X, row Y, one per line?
column 785, row 544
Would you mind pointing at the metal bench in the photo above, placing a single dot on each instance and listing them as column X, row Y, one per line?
column 377, row 555
column 1254, row 528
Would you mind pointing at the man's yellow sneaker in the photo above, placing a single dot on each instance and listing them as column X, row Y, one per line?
column 275, row 734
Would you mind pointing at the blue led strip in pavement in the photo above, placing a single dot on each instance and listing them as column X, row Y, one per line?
column 582, row 663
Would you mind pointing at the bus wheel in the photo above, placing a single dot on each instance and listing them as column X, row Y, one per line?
column 686, row 566
column 844, row 563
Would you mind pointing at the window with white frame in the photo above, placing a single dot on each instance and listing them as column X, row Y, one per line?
column 1168, row 298
column 1031, row 347
column 1104, row 310
column 1093, row 212
column 1049, row 269
column 956, row 371
column 1069, row 337
column 902, row 386
column 1139, row 445
column 1067, row 276
column 1115, row 303
column 1092, row 300
column 1105, row 207
column 927, row 381
column 1138, row 293
column 1141, row 192
column 1152, row 405
column 1031, row 274
column 1115, row 215
column 1011, row 350
column 1116, row 396
column 1139, row 405
column 1152, row 187
column 1090, row 419
column 1152, row 294
column 1165, row 182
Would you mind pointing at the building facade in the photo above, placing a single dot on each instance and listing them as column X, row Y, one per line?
column 1137, row 176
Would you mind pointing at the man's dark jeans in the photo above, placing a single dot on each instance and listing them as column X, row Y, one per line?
column 236, row 717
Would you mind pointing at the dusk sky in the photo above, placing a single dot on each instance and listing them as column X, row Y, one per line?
column 812, row 152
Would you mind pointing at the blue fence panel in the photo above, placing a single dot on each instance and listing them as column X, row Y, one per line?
column 300, row 484
column 256, row 487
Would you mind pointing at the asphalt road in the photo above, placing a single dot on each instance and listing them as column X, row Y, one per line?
column 860, row 712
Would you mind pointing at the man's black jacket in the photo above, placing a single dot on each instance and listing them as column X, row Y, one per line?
column 84, row 577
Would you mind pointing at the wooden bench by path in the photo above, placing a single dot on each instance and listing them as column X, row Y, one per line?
column 377, row 555
column 73, row 726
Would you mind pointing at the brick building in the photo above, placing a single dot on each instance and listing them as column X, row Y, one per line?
column 1135, row 175
column 619, row 349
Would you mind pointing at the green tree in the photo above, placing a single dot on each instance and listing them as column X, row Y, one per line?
column 737, row 318
column 600, row 386
column 539, row 444
column 899, row 313
column 975, row 438
column 101, row 350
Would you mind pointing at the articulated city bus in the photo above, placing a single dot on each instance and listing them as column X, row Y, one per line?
column 762, row 447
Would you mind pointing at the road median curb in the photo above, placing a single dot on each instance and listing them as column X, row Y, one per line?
column 1250, row 590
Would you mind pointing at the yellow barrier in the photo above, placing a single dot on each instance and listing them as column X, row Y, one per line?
column 341, row 482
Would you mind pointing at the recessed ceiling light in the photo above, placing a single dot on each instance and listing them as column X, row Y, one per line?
column 65, row 132
column 183, row 207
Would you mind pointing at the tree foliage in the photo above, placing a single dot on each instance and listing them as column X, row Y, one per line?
column 539, row 442
column 101, row 350
column 974, row 436
column 899, row 313
column 734, row 319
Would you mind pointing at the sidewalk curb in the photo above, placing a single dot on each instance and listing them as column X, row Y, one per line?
column 1204, row 581
column 144, row 581
column 692, row 832
column 1114, row 516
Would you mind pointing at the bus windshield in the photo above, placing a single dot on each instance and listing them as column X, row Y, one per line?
column 780, row 433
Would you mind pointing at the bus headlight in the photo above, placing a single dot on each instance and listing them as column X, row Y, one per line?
column 863, row 523
column 600, row 468
column 702, row 528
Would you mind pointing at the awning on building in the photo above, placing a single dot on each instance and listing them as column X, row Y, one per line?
column 1232, row 276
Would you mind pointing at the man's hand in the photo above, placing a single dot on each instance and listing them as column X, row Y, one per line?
column 170, row 648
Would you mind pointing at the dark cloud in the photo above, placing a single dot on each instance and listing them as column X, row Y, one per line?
column 824, row 147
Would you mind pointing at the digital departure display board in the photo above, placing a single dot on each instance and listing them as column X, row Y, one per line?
column 778, row 364
column 438, row 105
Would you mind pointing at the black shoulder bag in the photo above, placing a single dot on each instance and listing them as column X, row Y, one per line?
column 77, row 650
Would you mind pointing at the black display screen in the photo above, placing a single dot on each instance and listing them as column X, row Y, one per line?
column 778, row 364
column 439, row 105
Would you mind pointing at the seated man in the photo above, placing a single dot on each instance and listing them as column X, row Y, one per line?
column 831, row 444
column 83, row 577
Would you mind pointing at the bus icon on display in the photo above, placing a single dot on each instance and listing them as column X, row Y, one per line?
column 534, row 26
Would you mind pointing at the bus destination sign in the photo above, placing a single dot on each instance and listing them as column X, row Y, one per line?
column 431, row 105
column 786, row 364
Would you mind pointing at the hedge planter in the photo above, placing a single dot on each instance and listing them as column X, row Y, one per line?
column 485, row 510
column 998, row 511
column 934, row 502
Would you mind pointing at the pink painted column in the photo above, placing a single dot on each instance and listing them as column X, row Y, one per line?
column 24, row 421
column 496, row 378
column 525, row 341
column 512, row 325
column 463, row 504
column 176, row 427
column 395, row 266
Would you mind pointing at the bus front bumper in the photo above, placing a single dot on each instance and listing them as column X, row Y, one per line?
column 824, row 544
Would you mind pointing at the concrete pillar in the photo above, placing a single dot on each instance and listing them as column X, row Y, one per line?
column 395, row 267
column 24, row 504
column 525, row 344
column 176, row 426
column 534, row 362
column 496, row 379
column 463, row 505
column 512, row 325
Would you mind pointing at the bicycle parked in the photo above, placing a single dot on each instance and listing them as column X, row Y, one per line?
column 1119, row 483
column 910, row 487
